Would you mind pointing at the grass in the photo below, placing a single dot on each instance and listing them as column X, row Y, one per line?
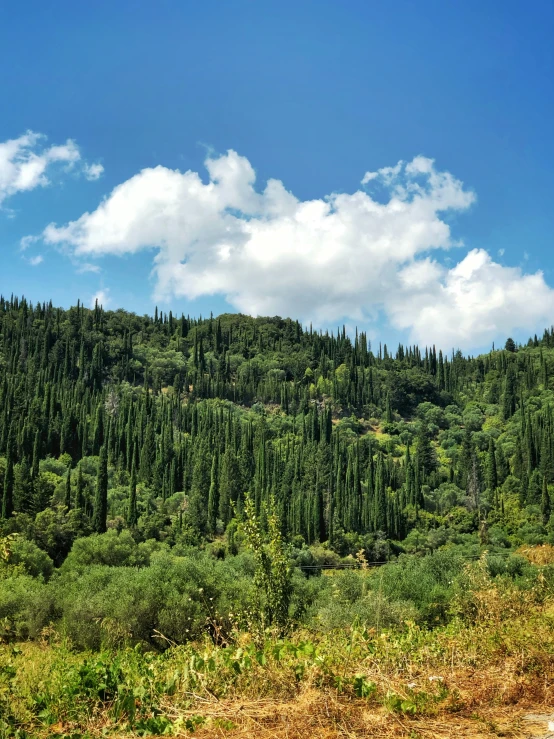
column 476, row 676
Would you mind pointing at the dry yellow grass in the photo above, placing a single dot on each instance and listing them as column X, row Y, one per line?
column 317, row 715
column 478, row 677
column 542, row 554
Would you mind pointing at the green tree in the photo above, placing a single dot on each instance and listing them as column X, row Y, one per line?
column 546, row 508
column 213, row 497
column 68, row 489
column 273, row 576
column 509, row 400
column 7, row 497
column 132, row 515
column 101, row 498
column 491, row 473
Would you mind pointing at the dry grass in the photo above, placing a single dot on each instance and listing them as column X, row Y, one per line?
column 478, row 677
column 542, row 554
column 320, row 715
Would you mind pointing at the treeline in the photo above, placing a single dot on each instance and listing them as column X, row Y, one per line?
column 161, row 424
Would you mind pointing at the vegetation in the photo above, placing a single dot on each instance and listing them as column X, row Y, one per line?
column 174, row 490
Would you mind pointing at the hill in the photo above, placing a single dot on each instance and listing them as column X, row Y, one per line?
column 178, row 486
column 357, row 448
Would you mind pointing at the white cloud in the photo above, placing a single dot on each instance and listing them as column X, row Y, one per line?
column 101, row 297
column 345, row 256
column 84, row 267
column 25, row 163
column 386, row 174
column 35, row 261
column 501, row 252
column 471, row 303
column 93, row 171
column 28, row 241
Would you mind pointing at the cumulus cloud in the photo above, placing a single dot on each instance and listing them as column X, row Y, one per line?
column 35, row 261
column 93, row 171
column 25, row 163
column 471, row 303
column 102, row 297
column 344, row 256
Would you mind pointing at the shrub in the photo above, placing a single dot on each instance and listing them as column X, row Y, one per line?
column 112, row 548
column 34, row 561
column 26, row 604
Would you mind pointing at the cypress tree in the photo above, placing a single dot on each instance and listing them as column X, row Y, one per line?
column 534, row 488
column 545, row 502
column 425, row 453
column 100, row 513
column 79, row 495
column 502, row 469
column 380, row 521
column 492, row 477
column 7, row 498
column 213, row 497
column 132, row 515
column 68, row 489
column 510, row 396
column 197, row 512
column 36, row 456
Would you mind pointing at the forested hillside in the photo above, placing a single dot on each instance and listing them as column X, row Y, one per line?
column 162, row 424
column 172, row 490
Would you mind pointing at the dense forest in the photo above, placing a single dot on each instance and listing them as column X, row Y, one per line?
column 200, row 512
column 160, row 425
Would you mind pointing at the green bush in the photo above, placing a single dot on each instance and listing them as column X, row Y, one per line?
column 112, row 548
column 26, row 605
column 424, row 581
column 179, row 597
column 33, row 559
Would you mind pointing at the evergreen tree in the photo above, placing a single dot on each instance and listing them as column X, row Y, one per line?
column 7, row 497
column 79, row 494
column 67, row 500
column 213, row 497
column 534, row 488
column 100, row 513
column 545, row 502
column 424, row 451
column 380, row 517
column 197, row 512
column 510, row 397
column 132, row 514
column 491, row 473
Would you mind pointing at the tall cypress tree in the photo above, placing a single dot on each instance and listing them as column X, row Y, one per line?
column 425, row 453
column 213, row 497
column 68, row 489
column 80, row 495
column 101, row 499
column 7, row 498
column 380, row 521
column 545, row 502
column 509, row 399
column 36, row 456
column 132, row 514
column 491, row 473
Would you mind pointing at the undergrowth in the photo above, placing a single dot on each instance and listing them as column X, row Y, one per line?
column 497, row 648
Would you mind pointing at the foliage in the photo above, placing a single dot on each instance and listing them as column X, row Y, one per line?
column 273, row 573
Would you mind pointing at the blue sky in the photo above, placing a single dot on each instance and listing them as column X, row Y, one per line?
column 312, row 94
